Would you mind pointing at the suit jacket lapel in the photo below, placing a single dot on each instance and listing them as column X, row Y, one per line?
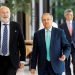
column 73, row 33
column 43, row 39
column 52, row 38
column 11, row 33
column 53, row 35
column 44, row 42
column 66, row 30
column 73, row 26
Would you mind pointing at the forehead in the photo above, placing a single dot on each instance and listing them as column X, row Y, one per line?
column 3, row 9
column 46, row 16
column 69, row 13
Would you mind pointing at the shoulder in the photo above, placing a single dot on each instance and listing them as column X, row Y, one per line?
column 62, row 25
column 73, row 22
column 39, row 31
column 13, row 22
column 58, row 30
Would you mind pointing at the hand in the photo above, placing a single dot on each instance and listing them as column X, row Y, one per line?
column 32, row 71
column 21, row 65
column 62, row 58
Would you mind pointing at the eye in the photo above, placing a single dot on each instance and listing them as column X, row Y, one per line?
column 44, row 20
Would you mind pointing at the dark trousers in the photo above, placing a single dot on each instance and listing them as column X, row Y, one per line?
column 48, row 70
column 6, row 67
column 67, row 66
column 73, row 59
column 67, row 62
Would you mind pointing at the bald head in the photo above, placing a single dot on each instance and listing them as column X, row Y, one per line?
column 4, row 13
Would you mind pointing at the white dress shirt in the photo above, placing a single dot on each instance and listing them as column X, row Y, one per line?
column 69, row 25
column 2, row 29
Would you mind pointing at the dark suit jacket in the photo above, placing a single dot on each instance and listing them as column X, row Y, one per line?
column 16, row 44
column 71, row 39
column 58, row 45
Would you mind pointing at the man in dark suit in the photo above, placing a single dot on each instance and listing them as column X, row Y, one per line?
column 12, row 49
column 50, row 49
column 69, row 27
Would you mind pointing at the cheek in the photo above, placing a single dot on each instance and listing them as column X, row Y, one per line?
column 47, row 23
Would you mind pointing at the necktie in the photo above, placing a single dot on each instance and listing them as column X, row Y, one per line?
column 48, row 44
column 4, row 43
column 70, row 29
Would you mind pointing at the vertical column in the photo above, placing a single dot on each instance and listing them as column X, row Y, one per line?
column 33, row 18
column 2, row 2
column 28, row 27
column 50, row 6
column 46, row 6
column 40, row 12
column 56, row 5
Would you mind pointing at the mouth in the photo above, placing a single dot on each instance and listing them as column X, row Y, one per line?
column 5, row 17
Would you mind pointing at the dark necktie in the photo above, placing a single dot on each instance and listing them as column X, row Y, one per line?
column 4, row 43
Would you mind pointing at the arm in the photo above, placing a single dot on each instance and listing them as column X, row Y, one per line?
column 21, row 48
column 65, row 47
column 34, row 55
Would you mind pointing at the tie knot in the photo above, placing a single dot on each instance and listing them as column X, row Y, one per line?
column 5, row 24
column 48, row 30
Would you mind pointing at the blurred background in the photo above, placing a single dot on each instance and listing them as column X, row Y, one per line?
column 28, row 13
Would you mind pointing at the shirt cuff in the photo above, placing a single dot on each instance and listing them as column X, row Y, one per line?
column 22, row 62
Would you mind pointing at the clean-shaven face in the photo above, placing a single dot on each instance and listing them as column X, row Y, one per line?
column 69, row 16
column 47, row 20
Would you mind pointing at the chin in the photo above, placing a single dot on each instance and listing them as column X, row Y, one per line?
column 5, row 20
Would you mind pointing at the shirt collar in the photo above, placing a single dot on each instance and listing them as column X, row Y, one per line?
column 69, row 22
column 5, row 23
column 50, row 29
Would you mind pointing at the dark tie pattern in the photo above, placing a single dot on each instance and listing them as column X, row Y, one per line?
column 4, row 43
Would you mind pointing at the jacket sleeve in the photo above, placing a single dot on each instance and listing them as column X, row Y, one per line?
column 65, row 44
column 21, row 45
column 34, row 52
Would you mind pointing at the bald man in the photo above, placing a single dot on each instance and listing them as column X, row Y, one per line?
column 50, row 49
column 11, row 43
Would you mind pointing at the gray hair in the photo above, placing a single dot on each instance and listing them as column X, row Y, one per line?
column 68, row 11
column 48, row 14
